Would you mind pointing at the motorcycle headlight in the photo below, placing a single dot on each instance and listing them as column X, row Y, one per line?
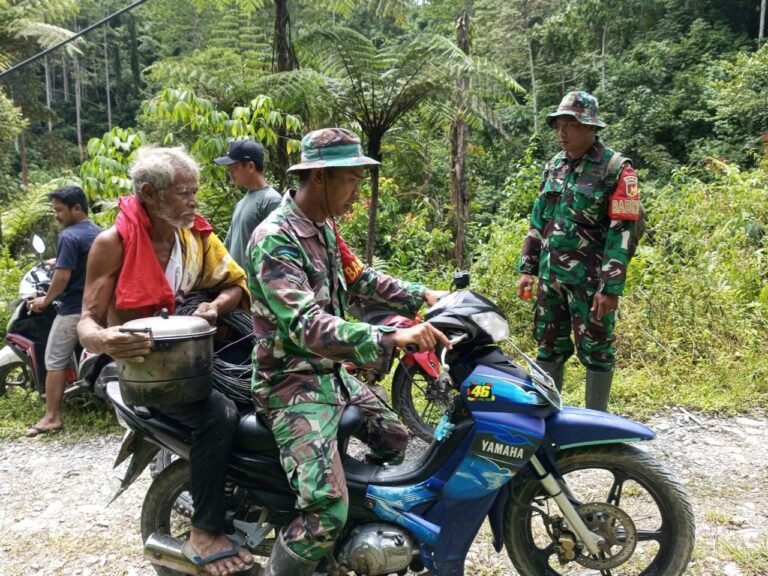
column 492, row 324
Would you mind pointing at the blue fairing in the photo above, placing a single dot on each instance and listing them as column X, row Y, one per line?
column 581, row 427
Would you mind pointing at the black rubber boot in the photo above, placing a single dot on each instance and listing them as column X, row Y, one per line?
column 554, row 369
column 283, row 562
column 598, row 390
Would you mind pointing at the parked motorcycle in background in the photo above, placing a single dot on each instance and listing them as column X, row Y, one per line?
column 21, row 360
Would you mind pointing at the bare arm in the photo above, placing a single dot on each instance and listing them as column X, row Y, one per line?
column 104, row 262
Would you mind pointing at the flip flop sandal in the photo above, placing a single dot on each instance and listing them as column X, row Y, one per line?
column 190, row 554
column 34, row 431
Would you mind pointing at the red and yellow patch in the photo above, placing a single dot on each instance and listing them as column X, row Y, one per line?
column 351, row 265
column 625, row 200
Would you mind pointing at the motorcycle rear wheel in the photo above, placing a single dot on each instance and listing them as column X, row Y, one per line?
column 418, row 401
column 15, row 374
column 619, row 475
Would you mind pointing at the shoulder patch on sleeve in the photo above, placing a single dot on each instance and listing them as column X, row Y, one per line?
column 289, row 251
column 625, row 199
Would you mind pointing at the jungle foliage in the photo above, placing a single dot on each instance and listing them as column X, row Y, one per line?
column 682, row 86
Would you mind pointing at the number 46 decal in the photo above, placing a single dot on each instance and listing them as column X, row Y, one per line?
column 480, row 393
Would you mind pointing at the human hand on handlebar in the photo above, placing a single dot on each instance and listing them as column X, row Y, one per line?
column 432, row 296
column 421, row 337
column 36, row 304
column 129, row 345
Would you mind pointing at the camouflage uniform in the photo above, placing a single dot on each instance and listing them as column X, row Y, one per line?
column 577, row 244
column 300, row 385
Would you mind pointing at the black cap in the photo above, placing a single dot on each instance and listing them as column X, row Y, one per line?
column 243, row 151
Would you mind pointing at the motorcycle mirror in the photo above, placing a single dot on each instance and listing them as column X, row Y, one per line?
column 38, row 244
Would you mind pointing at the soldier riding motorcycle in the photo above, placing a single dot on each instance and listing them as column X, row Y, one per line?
column 562, row 487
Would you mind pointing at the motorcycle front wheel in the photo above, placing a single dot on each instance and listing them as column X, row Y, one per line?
column 625, row 495
column 418, row 400
column 15, row 374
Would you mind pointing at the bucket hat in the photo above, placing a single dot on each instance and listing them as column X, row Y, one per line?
column 332, row 147
column 582, row 106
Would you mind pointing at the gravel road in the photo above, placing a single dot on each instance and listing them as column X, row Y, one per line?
column 55, row 519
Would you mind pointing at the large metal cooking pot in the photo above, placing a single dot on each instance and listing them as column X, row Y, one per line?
column 179, row 368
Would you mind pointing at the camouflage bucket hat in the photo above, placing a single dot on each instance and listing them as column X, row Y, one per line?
column 332, row 147
column 582, row 106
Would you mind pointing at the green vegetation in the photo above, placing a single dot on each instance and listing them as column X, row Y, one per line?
column 682, row 88
column 84, row 416
column 753, row 560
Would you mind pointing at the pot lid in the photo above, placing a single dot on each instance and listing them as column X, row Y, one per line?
column 161, row 327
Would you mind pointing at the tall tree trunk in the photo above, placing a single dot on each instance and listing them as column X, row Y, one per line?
column 534, row 85
column 106, row 72
column 374, row 151
column 761, row 32
column 283, row 60
column 459, row 138
column 65, row 77
column 47, row 69
column 78, row 103
column 603, row 56
column 531, row 65
column 23, row 161
column 134, row 52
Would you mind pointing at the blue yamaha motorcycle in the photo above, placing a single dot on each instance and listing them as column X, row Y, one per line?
column 563, row 489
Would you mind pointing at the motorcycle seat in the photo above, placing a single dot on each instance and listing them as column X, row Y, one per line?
column 435, row 459
column 253, row 435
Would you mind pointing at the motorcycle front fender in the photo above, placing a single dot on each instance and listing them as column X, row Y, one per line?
column 573, row 427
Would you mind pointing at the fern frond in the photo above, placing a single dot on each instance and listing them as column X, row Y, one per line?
column 47, row 35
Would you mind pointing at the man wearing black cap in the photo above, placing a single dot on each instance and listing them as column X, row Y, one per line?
column 245, row 164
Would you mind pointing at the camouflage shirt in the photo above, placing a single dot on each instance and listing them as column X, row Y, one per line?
column 573, row 236
column 299, row 296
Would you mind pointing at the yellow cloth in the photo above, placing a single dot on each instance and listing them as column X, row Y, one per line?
column 208, row 266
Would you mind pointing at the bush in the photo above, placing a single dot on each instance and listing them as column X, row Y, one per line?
column 694, row 317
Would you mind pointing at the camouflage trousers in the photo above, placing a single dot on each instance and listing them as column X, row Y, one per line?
column 307, row 437
column 562, row 308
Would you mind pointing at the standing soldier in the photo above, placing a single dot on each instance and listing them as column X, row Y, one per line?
column 578, row 245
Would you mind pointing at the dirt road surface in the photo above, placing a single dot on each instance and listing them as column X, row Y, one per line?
column 55, row 521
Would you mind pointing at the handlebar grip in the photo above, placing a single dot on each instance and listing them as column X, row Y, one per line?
column 411, row 348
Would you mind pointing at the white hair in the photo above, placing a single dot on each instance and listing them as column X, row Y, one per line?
column 160, row 167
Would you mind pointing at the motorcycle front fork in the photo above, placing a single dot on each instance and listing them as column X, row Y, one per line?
column 556, row 489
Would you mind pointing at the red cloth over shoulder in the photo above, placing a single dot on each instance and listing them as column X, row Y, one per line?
column 625, row 199
column 142, row 284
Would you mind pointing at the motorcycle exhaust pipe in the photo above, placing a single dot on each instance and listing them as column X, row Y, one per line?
column 165, row 550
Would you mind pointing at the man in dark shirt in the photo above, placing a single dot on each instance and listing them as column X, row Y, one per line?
column 71, row 208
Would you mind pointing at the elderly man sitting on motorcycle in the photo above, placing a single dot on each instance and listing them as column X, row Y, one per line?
column 300, row 284
column 159, row 250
